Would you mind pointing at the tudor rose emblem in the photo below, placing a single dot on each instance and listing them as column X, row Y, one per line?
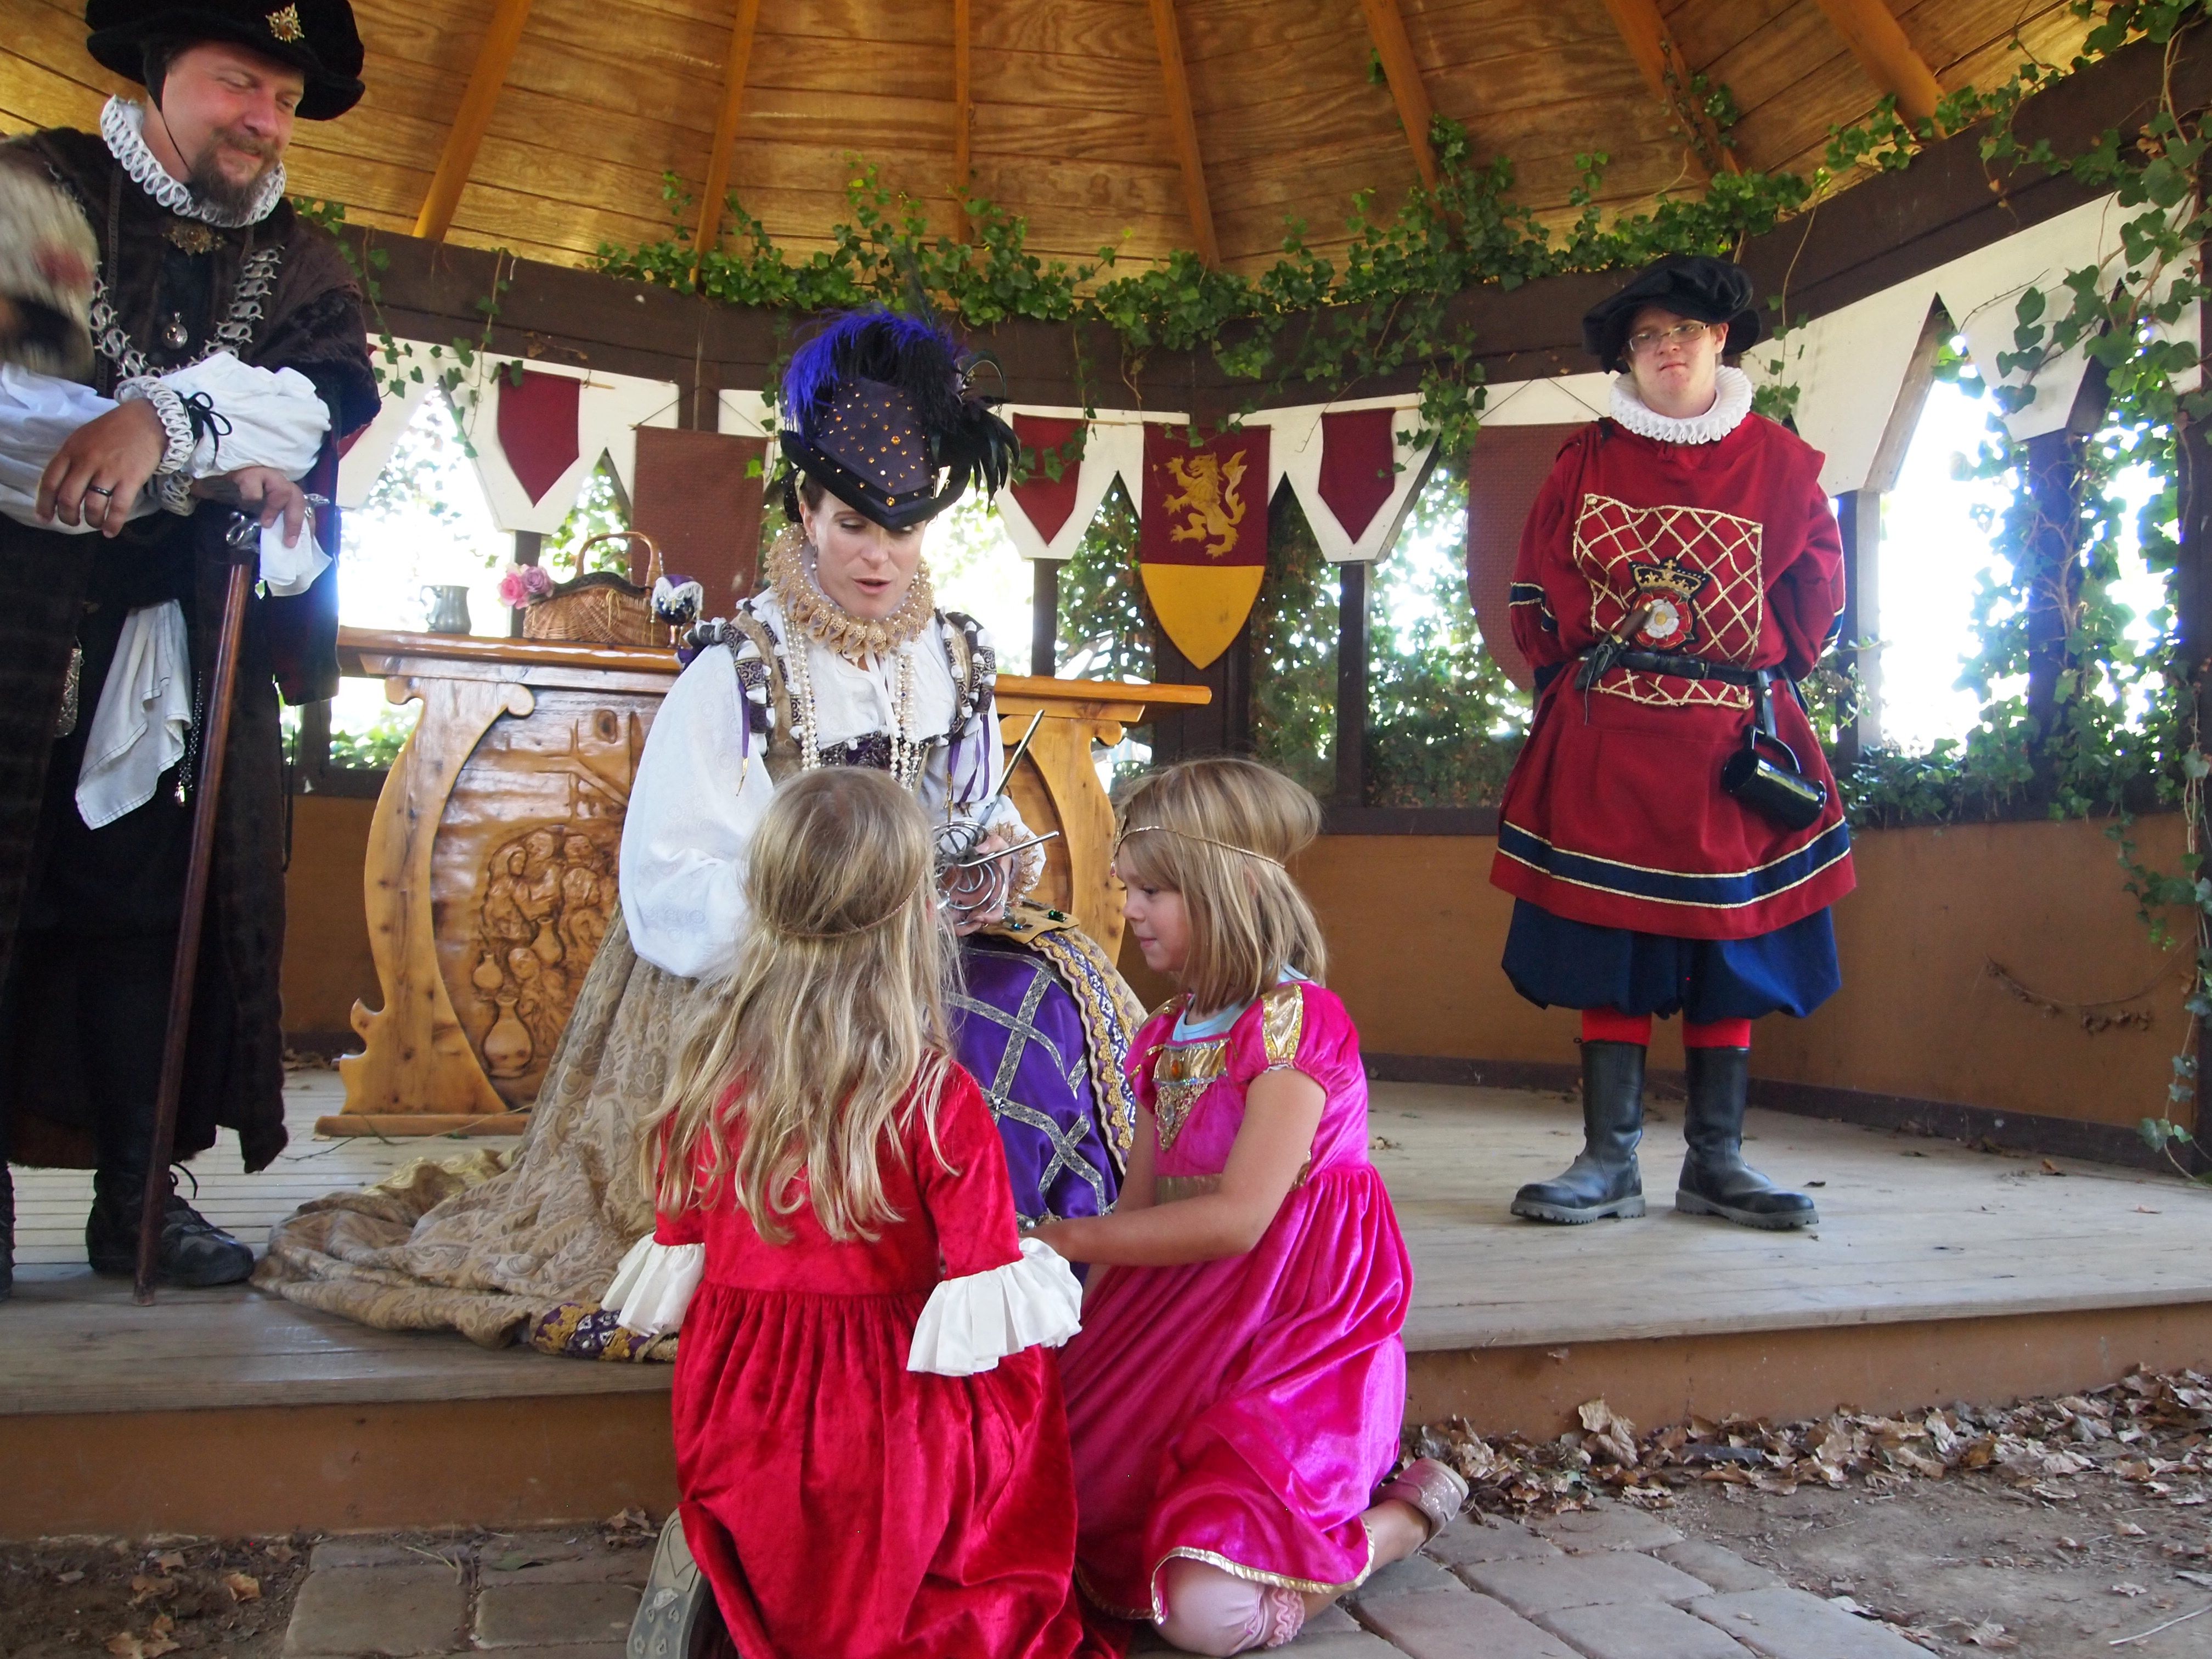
column 1670, row 588
column 285, row 25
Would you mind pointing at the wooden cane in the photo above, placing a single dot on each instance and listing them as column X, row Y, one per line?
column 214, row 741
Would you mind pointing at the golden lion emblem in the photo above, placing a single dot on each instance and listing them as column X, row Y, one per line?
column 1207, row 492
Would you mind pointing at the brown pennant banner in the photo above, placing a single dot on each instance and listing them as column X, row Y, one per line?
column 1202, row 538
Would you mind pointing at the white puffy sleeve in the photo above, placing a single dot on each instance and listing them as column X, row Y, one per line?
column 654, row 1286
column 693, row 809
column 274, row 416
column 970, row 1324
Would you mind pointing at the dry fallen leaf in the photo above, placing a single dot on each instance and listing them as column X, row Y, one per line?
column 124, row 1646
column 170, row 1560
column 2129, row 1529
column 242, row 1586
column 1990, row 1635
column 2127, row 1589
column 279, row 1552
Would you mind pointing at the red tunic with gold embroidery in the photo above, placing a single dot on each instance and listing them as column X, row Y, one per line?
column 1615, row 814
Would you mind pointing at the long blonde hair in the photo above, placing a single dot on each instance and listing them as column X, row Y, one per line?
column 1220, row 832
column 834, row 1013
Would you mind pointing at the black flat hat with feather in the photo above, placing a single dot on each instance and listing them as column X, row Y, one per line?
column 315, row 37
column 1688, row 284
column 876, row 408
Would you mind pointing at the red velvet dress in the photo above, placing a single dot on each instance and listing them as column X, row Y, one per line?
column 842, row 1506
column 1615, row 815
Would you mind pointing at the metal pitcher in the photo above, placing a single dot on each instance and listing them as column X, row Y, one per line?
column 449, row 608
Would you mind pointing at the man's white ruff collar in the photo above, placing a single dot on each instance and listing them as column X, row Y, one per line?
column 122, row 123
column 1730, row 404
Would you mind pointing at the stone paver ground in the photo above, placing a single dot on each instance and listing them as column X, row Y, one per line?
column 1608, row 1583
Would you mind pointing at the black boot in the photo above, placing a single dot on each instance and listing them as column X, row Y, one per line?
column 1603, row 1179
column 1715, row 1180
column 194, row 1252
column 7, row 1230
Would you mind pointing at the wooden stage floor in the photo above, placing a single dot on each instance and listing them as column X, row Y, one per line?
column 1938, row 1274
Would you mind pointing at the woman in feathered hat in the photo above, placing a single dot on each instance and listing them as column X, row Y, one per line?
column 843, row 660
column 1671, row 834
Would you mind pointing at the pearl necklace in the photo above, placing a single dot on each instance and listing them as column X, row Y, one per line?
column 828, row 624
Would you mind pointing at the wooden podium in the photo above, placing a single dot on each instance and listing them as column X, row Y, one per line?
column 491, row 873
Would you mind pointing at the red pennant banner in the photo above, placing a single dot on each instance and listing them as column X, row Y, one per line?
column 538, row 428
column 1357, row 457
column 1045, row 501
column 1505, row 472
column 1202, row 536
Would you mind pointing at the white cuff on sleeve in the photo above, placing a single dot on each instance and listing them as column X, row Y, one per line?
column 654, row 1285
column 970, row 1324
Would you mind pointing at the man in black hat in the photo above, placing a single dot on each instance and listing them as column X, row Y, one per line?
column 199, row 253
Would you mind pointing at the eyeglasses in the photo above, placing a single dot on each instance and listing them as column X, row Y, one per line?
column 1651, row 339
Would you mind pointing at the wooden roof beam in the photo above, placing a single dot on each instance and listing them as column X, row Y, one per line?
column 964, row 110
column 472, row 118
column 735, row 65
column 1667, row 72
column 1386, row 28
column 1871, row 30
column 1185, row 127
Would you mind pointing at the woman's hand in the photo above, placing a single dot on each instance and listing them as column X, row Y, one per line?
column 96, row 476
column 261, row 492
column 977, row 893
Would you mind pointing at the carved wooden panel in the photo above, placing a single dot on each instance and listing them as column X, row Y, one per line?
column 492, row 872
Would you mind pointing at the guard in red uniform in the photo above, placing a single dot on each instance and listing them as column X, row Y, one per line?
column 1671, row 834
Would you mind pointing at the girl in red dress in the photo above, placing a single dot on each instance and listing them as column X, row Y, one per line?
column 870, row 1445
column 1236, row 1396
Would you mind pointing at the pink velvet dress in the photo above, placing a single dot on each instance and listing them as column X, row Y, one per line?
column 1241, row 1413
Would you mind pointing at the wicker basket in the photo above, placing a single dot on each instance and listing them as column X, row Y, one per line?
column 601, row 608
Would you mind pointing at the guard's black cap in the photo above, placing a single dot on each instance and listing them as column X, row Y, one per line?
column 316, row 37
column 1693, row 284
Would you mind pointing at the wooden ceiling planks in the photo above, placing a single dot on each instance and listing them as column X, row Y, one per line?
column 1070, row 125
column 1870, row 29
column 1190, row 156
column 487, row 80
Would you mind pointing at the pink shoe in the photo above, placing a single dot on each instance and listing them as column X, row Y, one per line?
column 1435, row 1490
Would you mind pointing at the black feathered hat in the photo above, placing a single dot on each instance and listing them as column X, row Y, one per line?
column 1691, row 284
column 315, row 37
column 877, row 407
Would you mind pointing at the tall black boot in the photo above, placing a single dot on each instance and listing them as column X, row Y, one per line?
column 7, row 1230
column 1715, row 1180
column 193, row 1252
column 1603, row 1179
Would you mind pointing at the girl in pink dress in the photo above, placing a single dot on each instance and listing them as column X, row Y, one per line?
column 1235, row 1395
column 869, row 1440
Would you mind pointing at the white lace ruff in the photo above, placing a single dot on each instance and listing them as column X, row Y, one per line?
column 1731, row 403
column 122, row 125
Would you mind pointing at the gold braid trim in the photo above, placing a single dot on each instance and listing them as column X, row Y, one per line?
column 829, row 624
column 1282, row 1024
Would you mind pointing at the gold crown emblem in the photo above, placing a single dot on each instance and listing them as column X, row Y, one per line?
column 285, row 25
column 1669, row 576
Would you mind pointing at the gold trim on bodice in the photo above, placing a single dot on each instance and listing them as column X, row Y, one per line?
column 1182, row 1072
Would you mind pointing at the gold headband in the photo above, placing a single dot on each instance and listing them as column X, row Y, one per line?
column 1225, row 846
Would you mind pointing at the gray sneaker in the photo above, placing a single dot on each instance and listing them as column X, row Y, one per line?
column 678, row 1608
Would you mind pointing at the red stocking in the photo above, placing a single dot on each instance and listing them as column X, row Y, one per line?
column 1719, row 1034
column 1610, row 1025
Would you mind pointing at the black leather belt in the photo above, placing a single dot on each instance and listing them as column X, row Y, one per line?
column 1608, row 654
